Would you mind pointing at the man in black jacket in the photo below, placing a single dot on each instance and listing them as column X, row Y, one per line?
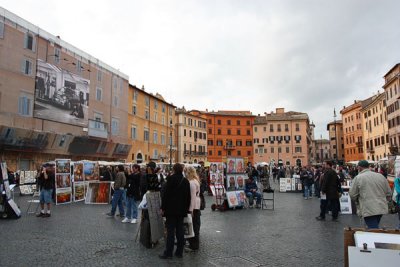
column 175, row 206
column 330, row 188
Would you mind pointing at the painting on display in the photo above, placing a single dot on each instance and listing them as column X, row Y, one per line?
column 98, row 193
column 241, row 196
column 240, row 165
column 60, row 95
column 232, row 199
column 78, row 172
column 288, row 184
column 79, row 192
column 91, row 171
column 63, row 181
column 241, row 181
column 231, row 165
column 282, row 185
column 231, row 182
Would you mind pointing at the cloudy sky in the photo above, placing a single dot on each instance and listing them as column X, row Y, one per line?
column 304, row 55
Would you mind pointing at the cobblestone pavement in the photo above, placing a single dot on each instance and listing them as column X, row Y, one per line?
column 82, row 235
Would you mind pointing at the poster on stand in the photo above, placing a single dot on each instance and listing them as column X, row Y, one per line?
column 282, row 185
column 91, row 171
column 63, row 181
column 345, row 203
column 79, row 191
column 231, row 182
column 241, row 196
column 293, row 184
column 78, row 172
column 288, row 184
column 98, row 193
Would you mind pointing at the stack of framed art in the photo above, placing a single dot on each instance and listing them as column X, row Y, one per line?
column 235, row 182
column 27, row 182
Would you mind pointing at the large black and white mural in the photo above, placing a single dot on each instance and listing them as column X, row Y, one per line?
column 60, row 95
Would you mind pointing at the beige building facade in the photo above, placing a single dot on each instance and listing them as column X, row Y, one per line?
column 375, row 130
column 392, row 91
column 283, row 137
column 191, row 137
column 152, row 124
column 57, row 101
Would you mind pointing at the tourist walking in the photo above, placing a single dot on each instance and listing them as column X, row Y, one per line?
column 120, row 181
column 131, row 192
column 330, row 187
column 194, row 207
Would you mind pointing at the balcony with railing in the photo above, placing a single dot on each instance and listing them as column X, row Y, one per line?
column 97, row 129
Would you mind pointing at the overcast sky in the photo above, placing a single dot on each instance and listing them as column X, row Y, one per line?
column 307, row 56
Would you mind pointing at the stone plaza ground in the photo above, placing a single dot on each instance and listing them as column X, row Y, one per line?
column 82, row 235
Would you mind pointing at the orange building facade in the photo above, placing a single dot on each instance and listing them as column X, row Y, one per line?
column 229, row 134
column 352, row 132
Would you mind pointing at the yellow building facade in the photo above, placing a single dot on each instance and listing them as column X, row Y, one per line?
column 152, row 127
column 374, row 125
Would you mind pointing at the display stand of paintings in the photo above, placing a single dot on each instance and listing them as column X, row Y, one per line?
column 27, row 182
column 290, row 184
column 236, row 176
column 98, row 192
column 79, row 182
column 63, row 181
column 216, row 177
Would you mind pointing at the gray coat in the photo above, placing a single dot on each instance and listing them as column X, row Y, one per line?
column 370, row 191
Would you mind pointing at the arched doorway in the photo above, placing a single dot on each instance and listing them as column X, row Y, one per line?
column 139, row 158
column 195, row 160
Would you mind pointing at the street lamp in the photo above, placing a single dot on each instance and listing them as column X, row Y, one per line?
column 170, row 145
column 322, row 153
column 334, row 121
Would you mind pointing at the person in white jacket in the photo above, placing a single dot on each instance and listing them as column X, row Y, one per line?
column 194, row 208
column 371, row 192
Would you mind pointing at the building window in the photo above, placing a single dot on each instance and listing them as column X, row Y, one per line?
column 238, row 131
column 147, row 101
column 219, row 142
column 229, row 131
column 229, row 122
column 114, row 126
column 163, row 108
column 271, row 128
column 135, row 96
column 146, row 135
column 286, row 127
column 210, row 131
column 248, row 132
column 155, row 104
column 219, row 153
column 99, row 76
column 219, row 122
column 99, row 94
column 184, row 132
column 155, row 116
column 134, row 109
column 238, row 122
column 163, row 139
column 248, row 153
column 219, row 131
column 248, row 143
column 287, row 149
column 238, row 142
column 57, row 55
column 279, row 128
column 297, row 149
column 133, row 132
column 25, row 107
column 297, row 127
column 255, row 129
column 116, row 101
column 29, row 41
column 247, row 122
column 146, row 114
column 26, row 67
column 79, row 66
column 155, row 137
column 239, row 153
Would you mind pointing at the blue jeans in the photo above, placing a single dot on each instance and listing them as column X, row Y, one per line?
column 45, row 196
column 131, row 208
column 251, row 196
column 117, row 199
column 307, row 191
column 372, row 222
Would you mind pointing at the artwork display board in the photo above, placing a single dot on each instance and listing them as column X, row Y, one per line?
column 98, row 192
column 236, row 198
column 27, row 182
column 235, row 165
column 345, row 204
column 79, row 182
column 155, row 216
column 63, row 181
column 290, row 184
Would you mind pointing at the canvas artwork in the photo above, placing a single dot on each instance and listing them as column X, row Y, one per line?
column 63, row 181
column 232, row 199
column 63, row 166
column 240, row 165
column 231, row 182
column 377, row 240
column 63, row 195
column 217, row 190
column 220, row 167
column 220, row 178
column 345, row 203
column 288, row 184
column 213, row 178
column 79, row 192
column 241, row 196
column 282, row 185
column 241, row 181
column 78, row 172
column 213, row 167
column 91, row 171
column 231, row 165
column 98, row 193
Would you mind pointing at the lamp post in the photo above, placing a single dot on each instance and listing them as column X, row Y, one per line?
column 334, row 122
column 170, row 145
column 322, row 153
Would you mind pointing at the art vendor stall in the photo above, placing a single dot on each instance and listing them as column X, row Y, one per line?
column 228, row 189
column 290, row 184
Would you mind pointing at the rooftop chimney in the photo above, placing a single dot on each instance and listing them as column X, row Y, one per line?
column 280, row 110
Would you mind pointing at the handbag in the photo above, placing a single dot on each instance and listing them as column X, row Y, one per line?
column 188, row 226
